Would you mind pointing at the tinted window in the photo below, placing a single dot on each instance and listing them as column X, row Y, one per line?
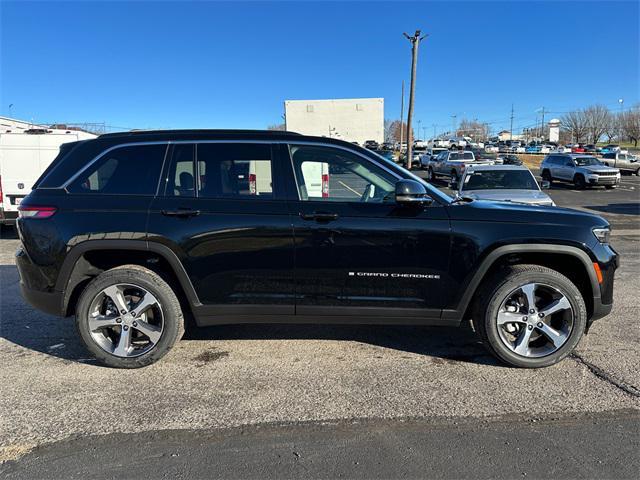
column 227, row 170
column 133, row 170
column 331, row 174
column 181, row 178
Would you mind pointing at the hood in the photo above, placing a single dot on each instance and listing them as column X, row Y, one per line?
column 534, row 197
column 510, row 212
column 599, row 169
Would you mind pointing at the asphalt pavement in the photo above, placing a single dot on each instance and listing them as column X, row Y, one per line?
column 382, row 387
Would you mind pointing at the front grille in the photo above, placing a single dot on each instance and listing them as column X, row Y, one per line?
column 606, row 174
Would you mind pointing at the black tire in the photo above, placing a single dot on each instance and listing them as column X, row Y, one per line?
column 431, row 176
column 136, row 275
column 454, row 176
column 497, row 288
column 638, row 172
column 579, row 182
column 610, row 187
column 546, row 176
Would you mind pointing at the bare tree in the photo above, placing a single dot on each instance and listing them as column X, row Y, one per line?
column 473, row 128
column 387, row 130
column 394, row 131
column 630, row 122
column 279, row 126
column 576, row 124
column 596, row 117
column 613, row 126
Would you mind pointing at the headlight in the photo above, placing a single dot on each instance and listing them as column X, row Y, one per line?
column 602, row 234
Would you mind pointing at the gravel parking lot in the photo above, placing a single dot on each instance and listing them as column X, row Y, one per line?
column 245, row 375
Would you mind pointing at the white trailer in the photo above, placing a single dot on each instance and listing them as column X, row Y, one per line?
column 23, row 158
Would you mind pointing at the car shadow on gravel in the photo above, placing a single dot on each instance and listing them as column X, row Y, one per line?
column 22, row 325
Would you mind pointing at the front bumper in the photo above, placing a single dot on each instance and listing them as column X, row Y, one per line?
column 603, row 180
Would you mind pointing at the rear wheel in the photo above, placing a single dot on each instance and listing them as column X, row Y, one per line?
column 128, row 317
column 579, row 182
column 530, row 316
column 546, row 175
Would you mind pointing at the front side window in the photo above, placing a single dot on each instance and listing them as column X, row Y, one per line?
column 228, row 170
column 335, row 175
column 132, row 170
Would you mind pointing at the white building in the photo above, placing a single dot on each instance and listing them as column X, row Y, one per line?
column 350, row 119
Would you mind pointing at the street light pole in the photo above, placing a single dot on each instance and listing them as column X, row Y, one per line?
column 621, row 102
column 415, row 42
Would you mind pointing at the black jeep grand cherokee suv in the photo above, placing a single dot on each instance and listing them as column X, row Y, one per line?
column 129, row 231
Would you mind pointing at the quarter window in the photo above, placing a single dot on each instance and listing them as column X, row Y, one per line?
column 133, row 170
column 334, row 175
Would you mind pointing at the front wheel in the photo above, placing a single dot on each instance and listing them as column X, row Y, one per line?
column 530, row 316
column 129, row 317
column 579, row 182
column 430, row 175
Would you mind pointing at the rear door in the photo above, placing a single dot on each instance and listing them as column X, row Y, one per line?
column 223, row 212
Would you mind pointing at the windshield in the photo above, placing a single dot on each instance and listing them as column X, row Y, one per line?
column 586, row 161
column 500, row 180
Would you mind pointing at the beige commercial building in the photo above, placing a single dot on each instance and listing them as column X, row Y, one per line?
column 350, row 119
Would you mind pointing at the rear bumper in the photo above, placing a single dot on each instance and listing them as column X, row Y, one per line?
column 8, row 217
column 47, row 302
column 34, row 287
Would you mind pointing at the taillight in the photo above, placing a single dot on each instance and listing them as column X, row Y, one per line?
column 32, row 211
column 252, row 183
column 325, row 185
column 0, row 189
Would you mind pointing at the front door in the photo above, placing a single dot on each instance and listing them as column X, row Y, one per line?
column 357, row 251
column 222, row 211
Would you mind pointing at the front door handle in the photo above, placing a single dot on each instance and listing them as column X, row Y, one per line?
column 181, row 212
column 319, row 216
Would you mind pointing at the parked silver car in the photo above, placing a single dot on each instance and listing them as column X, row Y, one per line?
column 624, row 161
column 580, row 169
column 507, row 183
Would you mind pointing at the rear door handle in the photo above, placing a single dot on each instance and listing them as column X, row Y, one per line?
column 181, row 212
column 319, row 216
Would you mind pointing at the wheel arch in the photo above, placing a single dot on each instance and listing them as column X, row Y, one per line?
column 570, row 261
column 90, row 258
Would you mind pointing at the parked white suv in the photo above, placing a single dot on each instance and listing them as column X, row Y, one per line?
column 582, row 170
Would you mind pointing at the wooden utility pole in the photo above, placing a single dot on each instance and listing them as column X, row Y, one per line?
column 401, row 117
column 415, row 42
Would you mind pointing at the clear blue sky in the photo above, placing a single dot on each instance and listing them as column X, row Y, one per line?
column 216, row 65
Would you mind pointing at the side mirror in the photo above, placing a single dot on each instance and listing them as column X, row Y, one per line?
column 453, row 185
column 545, row 184
column 410, row 192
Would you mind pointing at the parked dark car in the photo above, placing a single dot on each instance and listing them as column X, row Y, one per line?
column 508, row 159
column 130, row 232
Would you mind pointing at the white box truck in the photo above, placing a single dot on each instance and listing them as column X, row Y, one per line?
column 23, row 158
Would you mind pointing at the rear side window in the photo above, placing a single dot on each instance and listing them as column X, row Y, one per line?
column 132, row 170
column 234, row 170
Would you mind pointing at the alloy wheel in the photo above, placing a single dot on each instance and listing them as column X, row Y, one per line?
column 125, row 320
column 535, row 320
